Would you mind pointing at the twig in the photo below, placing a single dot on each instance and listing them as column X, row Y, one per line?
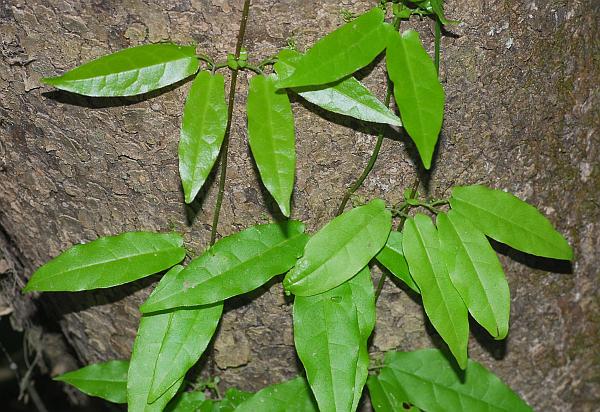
column 225, row 146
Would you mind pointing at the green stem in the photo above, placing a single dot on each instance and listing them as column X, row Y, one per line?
column 225, row 145
column 363, row 175
column 354, row 187
column 413, row 192
column 438, row 41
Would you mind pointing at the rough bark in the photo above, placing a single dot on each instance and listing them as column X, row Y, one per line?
column 521, row 79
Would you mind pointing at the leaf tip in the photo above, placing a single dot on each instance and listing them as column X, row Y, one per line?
column 51, row 81
column 426, row 162
column 285, row 209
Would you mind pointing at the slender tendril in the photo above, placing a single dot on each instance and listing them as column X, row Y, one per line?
column 225, row 146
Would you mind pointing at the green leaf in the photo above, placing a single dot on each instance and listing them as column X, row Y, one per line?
column 340, row 249
column 202, row 131
column 392, row 257
column 342, row 52
column 363, row 297
column 417, row 90
column 233, row 398
column 431, row 383
column 385, row 400
column 109, row 261
column 185, row 333
column 107, row 380
column 331, row 330
column 438, row 8
column 291, row 396
column 443, row 305
column 131, row 71
column 235, row 265
column 166, row 346
column 186, row 402
column 347, row 96
column 271, row 138
column 475, row 272
column 507, row 219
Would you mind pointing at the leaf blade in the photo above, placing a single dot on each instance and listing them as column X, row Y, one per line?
column 431, row 384
column 340, row 249
column 271, row 138
column 160, row 348
column 507, row 219
column 234, row 265
column 392, row 257
column 385, row 400
column 202, row 131
column 108, row 261
column 417, row 91
column 107, row 380
column 131, row 71
column 188, row 333
column 443, row 305
column 186, row 402
column 293, row 396
column 363, row 298
column 347, row 96
column 330, row 59
column 475, row 272
column 331, row 330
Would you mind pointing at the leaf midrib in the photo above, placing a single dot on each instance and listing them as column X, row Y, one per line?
column 205, row 102
column 324, row 63
column 501, row 218
column 407, row 65
column 435, row 384
column 363, row 227
column 271, row 139
column 422, row 243
column 102, row 262
column 233, row 268
column 471, row 263
column 101, row 76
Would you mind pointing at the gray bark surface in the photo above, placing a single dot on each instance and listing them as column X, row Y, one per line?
column 521, row 80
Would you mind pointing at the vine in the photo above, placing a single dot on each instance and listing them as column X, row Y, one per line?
column 444, row 256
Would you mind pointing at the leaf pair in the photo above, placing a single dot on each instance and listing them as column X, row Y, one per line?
column 347, row 96
column 169, row 343
column 334, row 307
column 427, row 380
column 417, row 90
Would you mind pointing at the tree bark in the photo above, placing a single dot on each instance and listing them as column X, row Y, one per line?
column 521, row 82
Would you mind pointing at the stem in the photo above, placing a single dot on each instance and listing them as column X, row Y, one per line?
column 363, row 175
column 413, row 192
column 225, row 146
column 373, row 158
column 438, row 41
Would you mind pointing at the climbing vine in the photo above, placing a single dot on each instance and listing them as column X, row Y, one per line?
column 443, row 255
